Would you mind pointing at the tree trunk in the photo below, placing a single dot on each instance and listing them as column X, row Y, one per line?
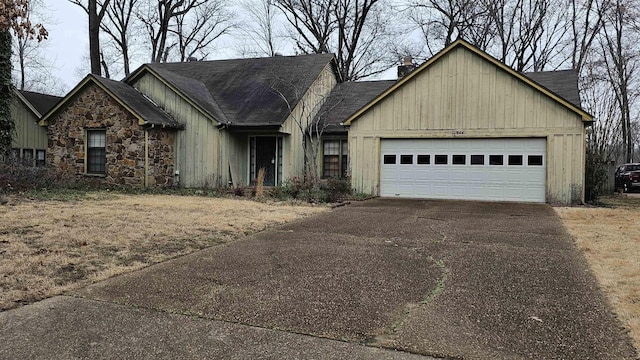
column 94, row 38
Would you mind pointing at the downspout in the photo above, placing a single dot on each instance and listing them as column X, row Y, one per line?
column 146, row 158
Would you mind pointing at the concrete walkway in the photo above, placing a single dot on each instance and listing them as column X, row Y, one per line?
column 435, row 278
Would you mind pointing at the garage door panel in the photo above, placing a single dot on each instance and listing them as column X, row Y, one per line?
column 464, row 181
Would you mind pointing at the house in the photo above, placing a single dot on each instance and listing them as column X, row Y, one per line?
column 235, row 117
column 465, row 126
column 29, row 144
column 460, row 126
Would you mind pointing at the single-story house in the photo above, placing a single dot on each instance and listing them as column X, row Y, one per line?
column 29, row 143
column 460, row 126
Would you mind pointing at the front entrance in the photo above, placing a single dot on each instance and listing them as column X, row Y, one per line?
column 266, row 153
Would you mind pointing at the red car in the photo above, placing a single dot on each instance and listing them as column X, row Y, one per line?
column 627, row 177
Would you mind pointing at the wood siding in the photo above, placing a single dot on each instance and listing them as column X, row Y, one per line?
column 304, row 112
column 465, row 96
column 201, row 155
column 29, row 135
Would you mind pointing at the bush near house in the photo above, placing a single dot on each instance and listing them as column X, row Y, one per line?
column 326, row 190
column 15, row 176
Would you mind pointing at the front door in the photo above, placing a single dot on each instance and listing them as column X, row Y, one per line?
column 266, row 153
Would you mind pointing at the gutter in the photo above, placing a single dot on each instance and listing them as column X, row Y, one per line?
column 146, row 158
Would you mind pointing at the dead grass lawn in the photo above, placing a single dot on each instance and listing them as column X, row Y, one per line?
column 49, row 247
column 610, row 239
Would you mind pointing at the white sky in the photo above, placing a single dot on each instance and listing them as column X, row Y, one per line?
column 68, row 39
column 68, row 43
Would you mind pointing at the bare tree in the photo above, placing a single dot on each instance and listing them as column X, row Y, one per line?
column 620, row 65
column 157, row 20
column 361, row 30
column 259, row 29
column 33, row 71
column 443, row 21
column 587, row 18
column 528, row 33
column 120, row 15
column 305, row 111
column 312, row 21
column 197, row 28
column 352, row 29
column 95, row 9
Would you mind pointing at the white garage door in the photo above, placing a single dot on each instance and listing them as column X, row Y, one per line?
column 474, row 169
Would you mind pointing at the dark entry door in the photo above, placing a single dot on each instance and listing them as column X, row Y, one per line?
column 266, row 158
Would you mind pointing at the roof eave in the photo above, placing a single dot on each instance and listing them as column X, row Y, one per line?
column 27, row 103
column 586, row 117
column 81, row 85
column 145, row 67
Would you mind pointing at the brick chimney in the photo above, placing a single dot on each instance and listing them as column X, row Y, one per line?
column 407, row 67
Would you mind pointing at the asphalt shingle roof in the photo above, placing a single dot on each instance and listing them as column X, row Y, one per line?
column 139, row 103
column 562, row 82
column 41, row 102
column 245, row 92
column 346, row 99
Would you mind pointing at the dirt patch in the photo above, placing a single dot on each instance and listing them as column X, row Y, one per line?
column 610, row 239
column 49, row 247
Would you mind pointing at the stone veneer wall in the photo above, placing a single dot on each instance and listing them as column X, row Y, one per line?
column 93, row 108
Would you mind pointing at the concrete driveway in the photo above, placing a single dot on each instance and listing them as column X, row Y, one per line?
column 378, row 279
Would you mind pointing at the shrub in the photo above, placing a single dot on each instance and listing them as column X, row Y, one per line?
column 329, row 190
column 596, row 175
column 15, row 176
column 336, row 189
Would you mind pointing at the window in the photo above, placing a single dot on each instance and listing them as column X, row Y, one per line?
column 515, row 159
column 406, row 159
column 535, row 160
column 41, row 156
column 15, row 154
column 96, row 154
column 441, row 160
column 459, row 159
column 389, row 159
column 27, row 157
column 477, row 159
column 335, row 155
column 424, row 159
column 496, row 160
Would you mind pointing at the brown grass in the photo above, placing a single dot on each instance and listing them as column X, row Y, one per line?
column 49, row 247
column 610, row 239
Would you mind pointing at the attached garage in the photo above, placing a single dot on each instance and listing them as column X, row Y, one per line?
column 465, row 126
column 471, row 169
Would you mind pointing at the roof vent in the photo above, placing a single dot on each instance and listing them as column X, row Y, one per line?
column 192, row 58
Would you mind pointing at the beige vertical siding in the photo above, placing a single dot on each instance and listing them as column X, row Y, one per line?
column 29, row 135
column 463, row 95
column 304, row 112
column 238, row 148
column 201, row 149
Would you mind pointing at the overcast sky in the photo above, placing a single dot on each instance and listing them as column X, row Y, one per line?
column 68, row 43
column 68, row 39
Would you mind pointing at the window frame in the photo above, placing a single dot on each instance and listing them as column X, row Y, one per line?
column 43, row 161
column 342, row 158
column 89, row 150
